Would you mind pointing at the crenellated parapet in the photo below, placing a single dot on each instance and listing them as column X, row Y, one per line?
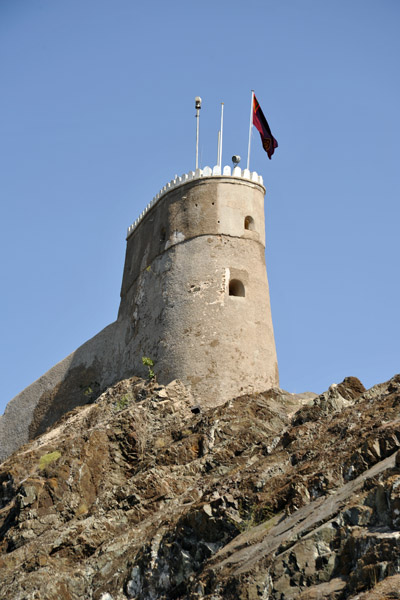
column 227, row 171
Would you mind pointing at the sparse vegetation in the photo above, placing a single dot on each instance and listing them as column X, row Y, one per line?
column 149, row 364
column 122, row 402
column 90, row 389
column 46, row 459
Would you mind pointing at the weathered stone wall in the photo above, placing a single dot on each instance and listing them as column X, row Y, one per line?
column 175, row 308
column 175, row 290
column 208, row 206
column 74, row 381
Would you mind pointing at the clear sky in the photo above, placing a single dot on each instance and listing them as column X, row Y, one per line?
column 97, row 114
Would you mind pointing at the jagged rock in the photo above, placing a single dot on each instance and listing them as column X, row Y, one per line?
column 273, row 496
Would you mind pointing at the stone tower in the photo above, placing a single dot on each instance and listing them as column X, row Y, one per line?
column 195, row 289
column 194, row 299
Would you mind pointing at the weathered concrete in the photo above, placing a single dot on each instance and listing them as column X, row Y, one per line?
column 194, row 299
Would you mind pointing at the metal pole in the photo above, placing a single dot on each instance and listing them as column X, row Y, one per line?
column 219, row 145
column 197, row 137
column 251, row 123
column 198, row 107
column 222, row 129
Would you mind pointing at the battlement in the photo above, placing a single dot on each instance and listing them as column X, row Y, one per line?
column 227, row 171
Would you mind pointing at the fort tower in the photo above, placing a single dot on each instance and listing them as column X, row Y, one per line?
column 194, row 299
column 195, row 290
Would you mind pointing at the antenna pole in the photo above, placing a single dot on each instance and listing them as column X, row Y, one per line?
column 251, row 123
column 197, row 101
column 221, row 130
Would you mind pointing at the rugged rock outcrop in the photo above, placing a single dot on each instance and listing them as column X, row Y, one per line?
column 271, row 496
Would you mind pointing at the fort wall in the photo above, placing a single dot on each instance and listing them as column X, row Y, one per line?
column 176, row 291
column 194, row 298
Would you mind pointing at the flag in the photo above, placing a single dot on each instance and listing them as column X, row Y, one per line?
column 260, row 122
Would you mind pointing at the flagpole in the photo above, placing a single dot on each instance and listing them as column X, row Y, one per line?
column 251, row 123
column 222, row 129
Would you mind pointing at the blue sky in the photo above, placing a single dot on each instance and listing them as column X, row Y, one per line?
column 97, row 114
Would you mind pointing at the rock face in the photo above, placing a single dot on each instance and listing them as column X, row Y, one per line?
column 270, row 496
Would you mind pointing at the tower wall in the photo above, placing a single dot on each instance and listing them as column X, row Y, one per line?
column 175, row 290
column 182, row 255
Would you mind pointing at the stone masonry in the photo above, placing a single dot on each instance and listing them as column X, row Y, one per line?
column 194, row 299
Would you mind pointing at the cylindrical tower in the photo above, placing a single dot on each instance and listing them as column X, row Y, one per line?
column 195, row 295
column 194, row 299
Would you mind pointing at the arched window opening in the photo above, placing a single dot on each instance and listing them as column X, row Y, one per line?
column 249, row 223
column 163, row 234
column 236, row 288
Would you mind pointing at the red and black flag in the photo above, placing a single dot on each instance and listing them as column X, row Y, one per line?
column 260, row 122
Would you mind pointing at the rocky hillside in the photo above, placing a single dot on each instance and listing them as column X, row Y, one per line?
column 271, row 496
